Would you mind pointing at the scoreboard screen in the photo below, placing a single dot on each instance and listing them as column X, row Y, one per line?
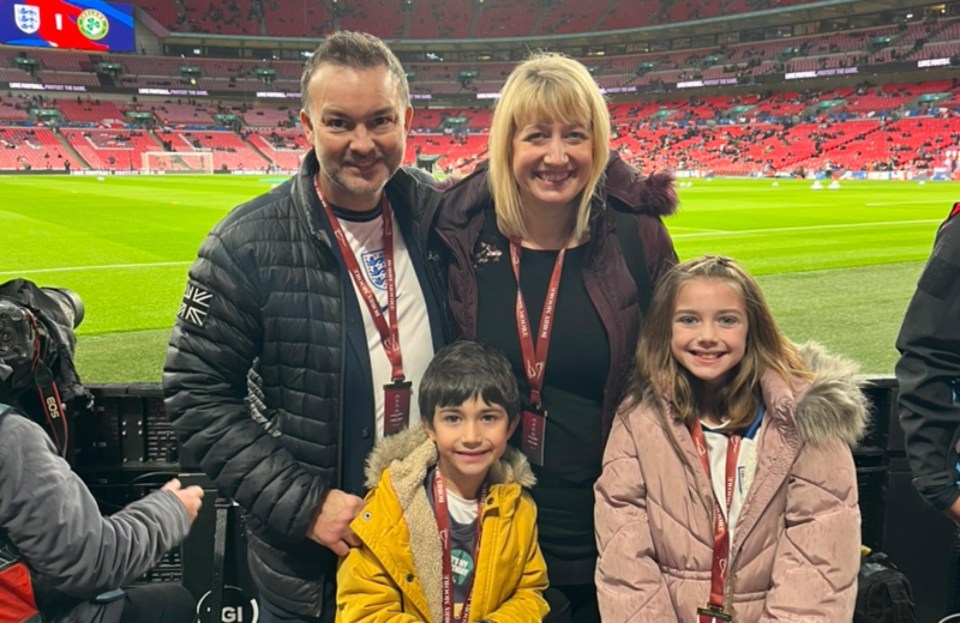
column 68, row 24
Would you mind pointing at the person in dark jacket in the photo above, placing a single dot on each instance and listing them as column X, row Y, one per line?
column 77, row 558
column 551, row 211
column 308, row 313
column 928, row 373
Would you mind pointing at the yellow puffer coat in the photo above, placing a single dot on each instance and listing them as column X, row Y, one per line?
column 395, row 576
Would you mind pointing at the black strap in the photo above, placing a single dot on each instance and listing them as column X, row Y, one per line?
column 632, row 247
column 221, row 529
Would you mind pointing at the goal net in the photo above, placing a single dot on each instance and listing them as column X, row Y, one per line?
column 177, row 162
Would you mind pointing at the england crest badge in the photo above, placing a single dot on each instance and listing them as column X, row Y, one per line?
column 27, row 17
column 376, row 269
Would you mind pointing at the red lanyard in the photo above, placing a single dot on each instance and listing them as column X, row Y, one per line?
column 443, row 525
column 721, row 532
column 389, row 335
column 535, row 359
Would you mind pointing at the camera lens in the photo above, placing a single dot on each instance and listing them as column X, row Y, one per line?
column 69, row 303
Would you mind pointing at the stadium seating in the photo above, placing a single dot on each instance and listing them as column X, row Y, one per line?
column 111, row 150
column 269, row 117
column 434, row 19
column 229, row 150
column 284, row 148
column 13, row 109
column 746, row 133
column 87, row 110
column 38, row 149
column 506, row 18
column 296, row 17
column 173, row 114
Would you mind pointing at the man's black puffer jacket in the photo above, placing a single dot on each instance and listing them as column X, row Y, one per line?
column 266, row 295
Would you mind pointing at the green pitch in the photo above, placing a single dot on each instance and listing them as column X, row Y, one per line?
column 838, row 266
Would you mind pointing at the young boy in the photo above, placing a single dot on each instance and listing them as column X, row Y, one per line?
column 447, row 533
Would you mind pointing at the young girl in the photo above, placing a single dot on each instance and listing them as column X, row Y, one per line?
column 728, row 489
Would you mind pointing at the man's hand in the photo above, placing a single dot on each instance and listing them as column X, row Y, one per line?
column 953, row 512
column 190, row 496
column 331, row 527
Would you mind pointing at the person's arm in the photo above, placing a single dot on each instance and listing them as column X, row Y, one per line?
column 630, row 586
column 366, row 593
column 52, row 518
column 818, row 554
column 527, row 602
column 205, row 383
column 928, row 373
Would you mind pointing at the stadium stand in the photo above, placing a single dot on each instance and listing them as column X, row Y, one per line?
column 111, row 150
column 756, row 131
column 87, row 110
column 284, row 148
column 231, row 152
column 36, row 149
column 433, row 19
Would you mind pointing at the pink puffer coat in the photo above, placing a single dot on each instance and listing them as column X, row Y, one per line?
column 795, row 553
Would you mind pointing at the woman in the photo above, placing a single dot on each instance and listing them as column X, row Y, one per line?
column 553, row 210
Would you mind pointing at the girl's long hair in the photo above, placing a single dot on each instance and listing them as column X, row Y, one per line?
column 659, row 375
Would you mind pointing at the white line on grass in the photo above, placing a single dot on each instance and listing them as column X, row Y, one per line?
column 907, row 203
column 778, row 230
column 700, row 230
column 69, row 269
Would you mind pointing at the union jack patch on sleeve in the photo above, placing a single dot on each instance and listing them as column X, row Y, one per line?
column 195, row 305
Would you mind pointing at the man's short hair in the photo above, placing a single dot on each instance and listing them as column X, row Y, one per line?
column 357, row 50
column 465, row 370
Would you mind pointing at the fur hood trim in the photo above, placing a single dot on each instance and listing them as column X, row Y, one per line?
column 833, row 405
column 655, row 193
column 411, row 453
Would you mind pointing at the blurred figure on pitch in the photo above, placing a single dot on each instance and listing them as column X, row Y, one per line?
column 556, row 243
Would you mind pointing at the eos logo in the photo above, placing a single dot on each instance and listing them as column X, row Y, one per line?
column 236, row 608
column 53, row 409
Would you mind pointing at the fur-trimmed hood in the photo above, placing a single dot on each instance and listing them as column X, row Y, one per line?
column 832, row 405
column 655, row 193
column 411, row 453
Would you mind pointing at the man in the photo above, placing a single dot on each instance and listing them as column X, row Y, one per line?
column 77, row 558
column 929, row 373
column 308, row 314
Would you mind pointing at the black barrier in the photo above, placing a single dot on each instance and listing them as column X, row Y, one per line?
column 126, row 447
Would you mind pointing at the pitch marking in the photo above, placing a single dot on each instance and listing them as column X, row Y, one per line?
column 70, row 269
column 779, row 230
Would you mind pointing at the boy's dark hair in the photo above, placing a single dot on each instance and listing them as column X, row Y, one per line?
column 463, row 370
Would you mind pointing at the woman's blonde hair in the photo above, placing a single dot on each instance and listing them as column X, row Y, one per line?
column 767, row 348
column 546, row 87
